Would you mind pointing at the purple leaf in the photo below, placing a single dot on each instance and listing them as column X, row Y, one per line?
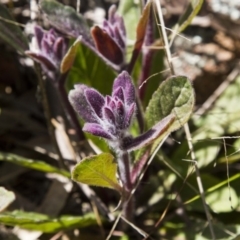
column 96, row 100
column 121, row 114
column 108, row 28
column 46, row 46
column 119, row 37
column 112, row 104
column 39, row 33
column 149, row 136
column 111, row 13
column 79, row 102
column 42, row 59
column 107, row 46
column 124, row 80
column 59, row 48
column 119, row 93
column 129, row 115
column 97, row 130
column 121, row 26
column 138, row 166
column 108, row 114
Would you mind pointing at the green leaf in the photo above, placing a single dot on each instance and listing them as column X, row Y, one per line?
column 222, row 119
column 69, row 58
column 91, row 70
column 199, row 229
column 99, row 170
column 219, row 200
column 156, row 76
column 224, row 115
column 217, row 193
column 174, row 96
column 31, row 163
column 6, row 198
column 44, row 223
column 10, row 31
column 65, row 19
column 130, row 11
column 191, row 11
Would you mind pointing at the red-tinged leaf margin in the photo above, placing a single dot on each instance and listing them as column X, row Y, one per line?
column 107, row 46
column 141, row 30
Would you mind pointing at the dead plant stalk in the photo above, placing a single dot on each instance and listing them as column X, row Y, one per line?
column 186, row 127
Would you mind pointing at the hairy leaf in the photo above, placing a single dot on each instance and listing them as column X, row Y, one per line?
column 222, row 119
column 6, row 198
column 10, row 32
column 174, row 96
column 66, row 20
column 33, row 164
column 152, row 134
column 44, row 223
column 99, row 170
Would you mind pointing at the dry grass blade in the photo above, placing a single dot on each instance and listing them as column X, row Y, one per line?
column 186, row 127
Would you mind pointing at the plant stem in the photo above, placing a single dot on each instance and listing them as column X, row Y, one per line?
column 124, row 174
column 124, row 170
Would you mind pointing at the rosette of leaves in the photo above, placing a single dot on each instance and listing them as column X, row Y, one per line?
column 110, row 118
column 51, row 50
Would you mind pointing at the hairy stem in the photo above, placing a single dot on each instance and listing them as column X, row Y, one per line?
column 124, row 174
column 124, row 170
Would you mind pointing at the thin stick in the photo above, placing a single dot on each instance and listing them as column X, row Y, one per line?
column 186, row 127
column 78, row 6
column 199, row 181
column 140, row 231
column 12, row 22
column 114, row 226
column 209, row 102
column 229, row 187
column 164, row 35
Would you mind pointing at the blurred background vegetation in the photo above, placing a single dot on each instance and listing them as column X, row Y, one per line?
column 168, row 204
